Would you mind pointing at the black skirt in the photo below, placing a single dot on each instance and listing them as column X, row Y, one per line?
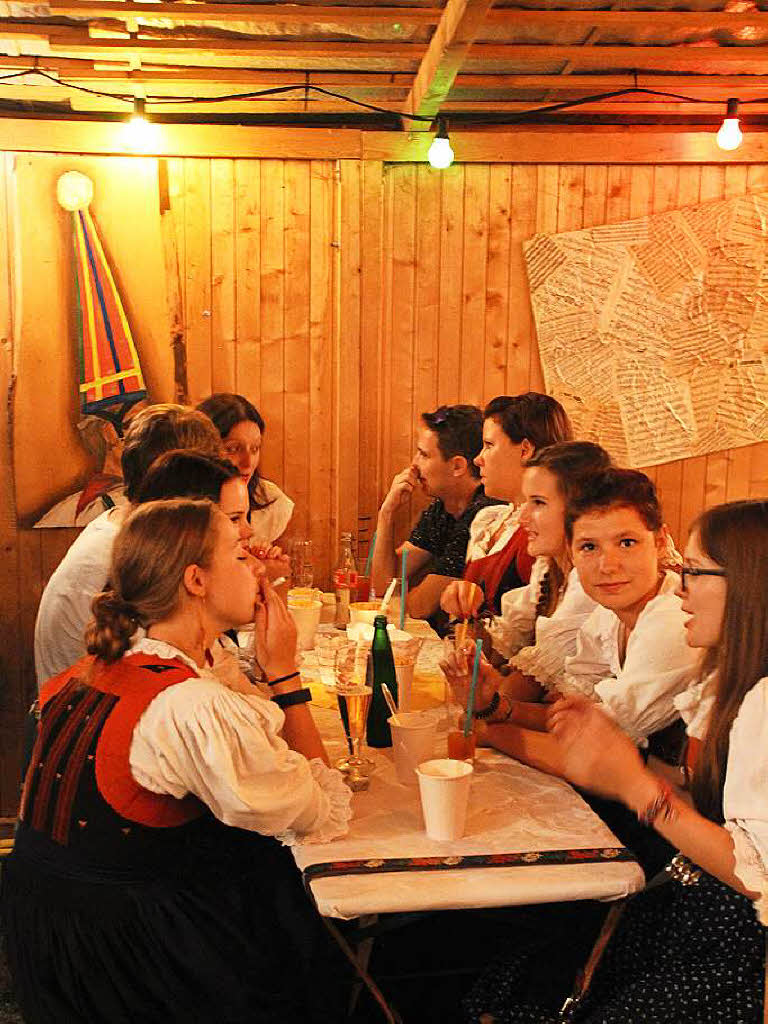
column 223, row 948
column 681, row 955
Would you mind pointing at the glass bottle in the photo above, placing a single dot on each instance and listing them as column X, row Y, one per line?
column 381, row 670
column 344, row 580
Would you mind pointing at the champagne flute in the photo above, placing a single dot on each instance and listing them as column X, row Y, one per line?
column 354, row 700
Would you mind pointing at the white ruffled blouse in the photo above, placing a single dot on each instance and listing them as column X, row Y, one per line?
column 200, row 737
column 491, row 530
column 515, row 627
column 745, row 794
column 271, row 522
column 695, row 706
column 538, row 646
column 658, row 665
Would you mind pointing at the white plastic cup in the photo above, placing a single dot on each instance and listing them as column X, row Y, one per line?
column 444, row 788
column 306, row 615
column 413, row 742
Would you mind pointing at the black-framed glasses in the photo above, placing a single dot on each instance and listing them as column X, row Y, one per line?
column 688, row 570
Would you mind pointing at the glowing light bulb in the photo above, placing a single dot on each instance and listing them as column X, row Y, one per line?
column 729, row 136
column 440, row 154
column 140, row 133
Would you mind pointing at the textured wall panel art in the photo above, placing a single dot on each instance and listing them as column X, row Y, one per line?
column 654, row 333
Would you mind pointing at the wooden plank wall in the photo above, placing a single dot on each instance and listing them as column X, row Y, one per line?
column 344, row 299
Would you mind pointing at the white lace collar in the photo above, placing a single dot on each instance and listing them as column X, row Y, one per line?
column 161, row 649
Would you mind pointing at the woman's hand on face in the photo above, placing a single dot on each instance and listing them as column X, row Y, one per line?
column 274, row 560
column 274, row 634
column 461, row 599
column 596, row 754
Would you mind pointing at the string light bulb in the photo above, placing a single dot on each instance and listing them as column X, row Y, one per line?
column 729, row 136
column 440, row 154
column 139, row 134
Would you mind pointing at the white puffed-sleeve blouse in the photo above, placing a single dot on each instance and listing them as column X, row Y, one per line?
column 745, row 794
column 658, row 664
column 200, row 737
column 515, row 627
column 555, row 637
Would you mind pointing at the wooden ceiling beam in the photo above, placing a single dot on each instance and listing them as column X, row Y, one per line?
column 447, row 50
column 563, row 144
column 309, row 13
column 606, row 83
column 205, row 12
column 82, row 69
column 661, row 20
column 647, row 57
column 299, row 49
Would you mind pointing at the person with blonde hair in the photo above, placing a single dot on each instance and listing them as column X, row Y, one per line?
column 65, row 606
column 150, row 878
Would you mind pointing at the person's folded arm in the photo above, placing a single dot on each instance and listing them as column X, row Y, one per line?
column 424, row 599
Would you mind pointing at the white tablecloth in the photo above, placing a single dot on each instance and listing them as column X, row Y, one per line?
column 512, row 809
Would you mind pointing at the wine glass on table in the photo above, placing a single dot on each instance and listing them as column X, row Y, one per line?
column 354, row 700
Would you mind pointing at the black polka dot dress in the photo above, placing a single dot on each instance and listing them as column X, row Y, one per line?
column 682, row 954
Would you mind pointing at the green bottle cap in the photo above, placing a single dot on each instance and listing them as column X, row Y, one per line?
column 379, row 621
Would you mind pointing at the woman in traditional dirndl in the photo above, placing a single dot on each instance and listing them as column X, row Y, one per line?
column 151, row 878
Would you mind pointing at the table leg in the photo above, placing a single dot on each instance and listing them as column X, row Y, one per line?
column 360, row 963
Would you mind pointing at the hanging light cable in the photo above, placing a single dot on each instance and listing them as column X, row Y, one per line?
column 729, row 136
column 440, row 154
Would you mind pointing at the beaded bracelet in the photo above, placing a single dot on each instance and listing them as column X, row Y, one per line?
column 490, row 709
column 283, row 679
column 288, row 700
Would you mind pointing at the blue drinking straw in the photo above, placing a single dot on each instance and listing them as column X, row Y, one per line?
column 403, row 589
column 471, row 702
column 370, row 555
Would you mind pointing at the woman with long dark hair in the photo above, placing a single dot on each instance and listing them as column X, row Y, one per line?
column 242, row 427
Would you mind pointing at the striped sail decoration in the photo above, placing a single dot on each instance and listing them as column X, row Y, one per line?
column 110, row 371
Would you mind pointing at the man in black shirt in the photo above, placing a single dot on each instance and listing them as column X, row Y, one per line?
column 447, row 443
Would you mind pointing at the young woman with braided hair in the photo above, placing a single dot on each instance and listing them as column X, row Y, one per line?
column 537, row 627
column 149, row 878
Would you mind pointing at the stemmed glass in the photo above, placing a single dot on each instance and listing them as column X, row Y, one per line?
column 347, row 661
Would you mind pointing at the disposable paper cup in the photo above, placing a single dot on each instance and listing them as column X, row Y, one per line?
column 444, row 789
column 363, row 611
column 413, row 741
column 306, row 615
